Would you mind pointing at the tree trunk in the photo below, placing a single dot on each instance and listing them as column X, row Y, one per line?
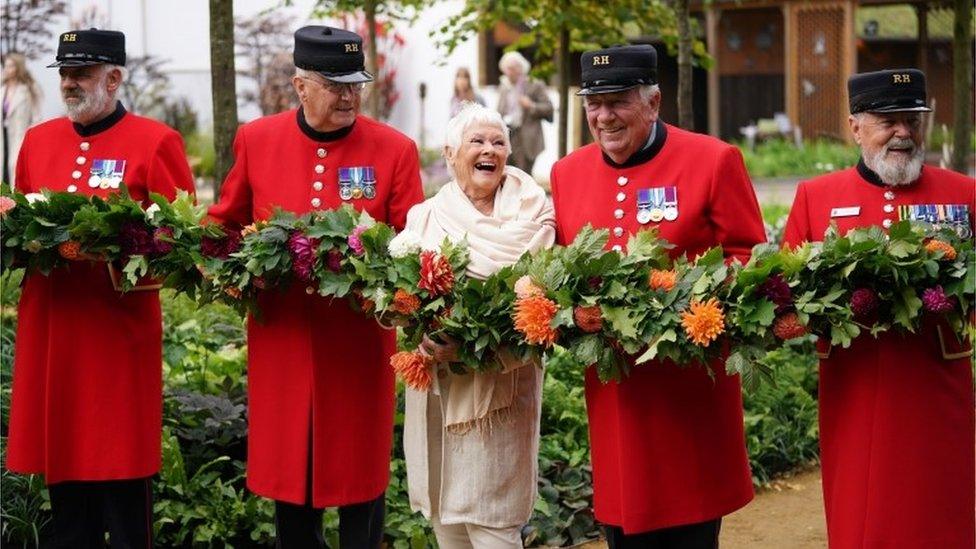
column 565, row 70
column 223, row 85
column 373, row 99
column 962, row 85
column 686, row 113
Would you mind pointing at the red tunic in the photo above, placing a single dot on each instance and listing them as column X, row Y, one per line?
column 87, row 390
column 668, row 446
column 313, row 359
column 896, row 417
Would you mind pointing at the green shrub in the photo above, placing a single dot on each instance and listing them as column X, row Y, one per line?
column 778, row 158
column 781, row 419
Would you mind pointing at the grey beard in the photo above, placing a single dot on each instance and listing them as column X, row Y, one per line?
column 894, row 173
column 91, row 105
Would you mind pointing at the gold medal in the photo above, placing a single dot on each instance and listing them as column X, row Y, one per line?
column 657, row 214
column 357, row 193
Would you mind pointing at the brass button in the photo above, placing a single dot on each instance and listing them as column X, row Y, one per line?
column 886, row 223
column 85, row 145
column 80, row 160
column 319, row 168
column 618, row 213
column 622, row 181
column 321, row 153
column 316, row 202
column 317, row 185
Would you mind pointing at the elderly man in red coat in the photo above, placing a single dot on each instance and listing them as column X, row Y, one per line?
column 320, row 385
column 897, row 411
column 668, row 449
column 87, row 390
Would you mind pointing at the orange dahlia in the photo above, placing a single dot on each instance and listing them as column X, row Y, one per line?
column 704, row 321
column 70, row 250
column 948, row 252
column 249, row 229
column 788, row 326
column 533, row 316
column 405, row 302
column 589, row 319
column 662, row 280
column 413, row 368
column 436, row 275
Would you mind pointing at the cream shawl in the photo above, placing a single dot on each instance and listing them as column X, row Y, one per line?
column 522, row 221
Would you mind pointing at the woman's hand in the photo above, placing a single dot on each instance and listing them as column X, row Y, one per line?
column 440, row 352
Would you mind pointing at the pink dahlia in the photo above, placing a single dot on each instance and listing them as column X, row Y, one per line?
column 302, row 251
column 355, row 242
column 936, row 301
column 6, row 204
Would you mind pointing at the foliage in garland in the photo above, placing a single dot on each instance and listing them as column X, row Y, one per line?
column 45, row 231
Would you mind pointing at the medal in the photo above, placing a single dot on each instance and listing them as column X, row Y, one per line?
column 643, row 206
column 106, row 173
column 345, row 184
column 369, row 183
column 670, row 203
column 657, row 214
column 357, row 192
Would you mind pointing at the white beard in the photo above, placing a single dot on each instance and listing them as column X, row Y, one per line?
column 90, row 105
column 895, row 172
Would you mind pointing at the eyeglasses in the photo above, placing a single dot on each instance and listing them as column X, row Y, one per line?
column 339, row 88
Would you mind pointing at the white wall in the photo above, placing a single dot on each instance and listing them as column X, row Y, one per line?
column 178, row 30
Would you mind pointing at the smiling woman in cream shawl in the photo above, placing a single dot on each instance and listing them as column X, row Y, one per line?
column 472, row 441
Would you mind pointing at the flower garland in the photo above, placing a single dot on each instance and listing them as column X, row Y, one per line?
column 578, row 305
column 46, row 231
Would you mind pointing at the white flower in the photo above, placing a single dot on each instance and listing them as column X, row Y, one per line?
column 151, row 211
column 404, row 244
column 35, row 197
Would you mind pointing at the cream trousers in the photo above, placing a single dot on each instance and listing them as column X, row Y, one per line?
column 472, row 536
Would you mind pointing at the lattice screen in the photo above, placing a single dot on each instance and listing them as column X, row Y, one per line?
column 820, row 70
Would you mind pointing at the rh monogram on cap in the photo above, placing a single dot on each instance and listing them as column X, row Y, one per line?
column 336, row 54
column 79, row 48
column 899, row 90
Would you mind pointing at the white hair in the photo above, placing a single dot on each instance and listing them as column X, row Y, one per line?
column 472, row 114
column 304, row 73
column 514, row 57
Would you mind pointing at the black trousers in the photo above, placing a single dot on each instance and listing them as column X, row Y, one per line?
column 702, row 535
column 300, row 526
column 83, row 511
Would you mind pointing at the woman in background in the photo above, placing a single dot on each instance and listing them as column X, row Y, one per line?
column 463, row 91
column 21, row 109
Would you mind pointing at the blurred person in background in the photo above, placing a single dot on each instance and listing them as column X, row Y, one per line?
column 21, row 109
